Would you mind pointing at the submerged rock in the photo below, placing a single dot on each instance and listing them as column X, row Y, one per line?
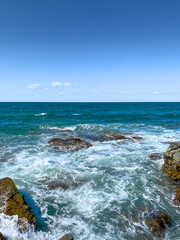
column 159, row 223
column 56, row 185
column 66, row 237
column 69, row 144
column 155, row 156
column 171, row 166
column 176, row 200
column 170, row 142
column 13, row 203
column 63, row 185
column 117, row 136
column 1, row 236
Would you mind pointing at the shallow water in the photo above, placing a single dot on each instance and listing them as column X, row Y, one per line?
column 112, row 186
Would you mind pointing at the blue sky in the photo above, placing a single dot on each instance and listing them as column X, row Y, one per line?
column 89, row 50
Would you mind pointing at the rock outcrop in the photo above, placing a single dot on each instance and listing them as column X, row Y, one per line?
column 1, row 236
column 117, row 136
column 159, row 223
column 66, row 237
column 69, row 144
column 155, row 156
column 171, row 166
column 13, row 203
column 177, row 198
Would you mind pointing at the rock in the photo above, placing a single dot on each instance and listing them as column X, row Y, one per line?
column 65, row 186
column 1, row 236
column 13, row 203
column 66, row 237
column 56, row 185
column 170, row 142
column 171, row 166
column 176, row 200
column 159, row 223
column 117, row 136
column 70, row 144
column 155, row 156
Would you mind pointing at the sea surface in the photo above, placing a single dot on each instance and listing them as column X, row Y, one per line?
column 111, row 187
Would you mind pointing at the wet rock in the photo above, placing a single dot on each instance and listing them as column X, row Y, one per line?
column 12, row 203
column 56, row 185
column 155, row 156
column 159, row 223
column 69, row 144
column 170, row 142
column 171, row 166
column 63, row 185
column 117, row 136
column 176, row 200
column 1, row 236
column 66, row 237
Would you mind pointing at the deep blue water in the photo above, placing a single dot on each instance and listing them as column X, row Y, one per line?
column 119, row 184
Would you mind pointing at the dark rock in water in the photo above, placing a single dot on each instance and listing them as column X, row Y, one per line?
column 56, row 185
column 176, row 200
column 62, row 185
column 117, row 136
column 12, row 203
column 170, row 142
column 1, row 236
column 70, row 144
column 66, row 237
column 171, row 166
column 159, row 223
column 155, row 156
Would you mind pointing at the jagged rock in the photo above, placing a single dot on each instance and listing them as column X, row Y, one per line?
column 1, row 236
column 117, row 136
column 177, row 198
column 13, row 203
column 66, row 237
column 171, row 166
column 159, row 223
column 56, row 184
column 70, row 144
column 171, row 142
column 155, row 156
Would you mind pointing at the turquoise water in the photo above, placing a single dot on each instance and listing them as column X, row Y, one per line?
column 113, row 186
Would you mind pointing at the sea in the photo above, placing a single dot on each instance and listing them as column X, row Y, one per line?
column 110, row 188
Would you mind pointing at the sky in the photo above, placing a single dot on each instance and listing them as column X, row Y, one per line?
column 89, row 50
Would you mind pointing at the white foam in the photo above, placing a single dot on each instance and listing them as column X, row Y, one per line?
column 40, row 114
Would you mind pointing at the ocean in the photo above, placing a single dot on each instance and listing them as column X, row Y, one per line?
column 110, row 188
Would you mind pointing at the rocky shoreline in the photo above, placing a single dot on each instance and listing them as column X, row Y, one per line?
column 12, row 201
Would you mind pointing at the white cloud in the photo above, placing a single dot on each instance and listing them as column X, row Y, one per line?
column 67, row 84
column 56, row 84
column 33, row 86
column 59, row 84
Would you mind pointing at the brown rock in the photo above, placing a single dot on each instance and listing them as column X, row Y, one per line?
column 56, row 185
column 63, row 185
column 1, row 236
column 171, row 166
column 12, row 203
column 159, row 223
column 66, row 237
column 70, row 144
column 117, row 136
column 170, row 142
column 155, row 156
column 176, row 200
